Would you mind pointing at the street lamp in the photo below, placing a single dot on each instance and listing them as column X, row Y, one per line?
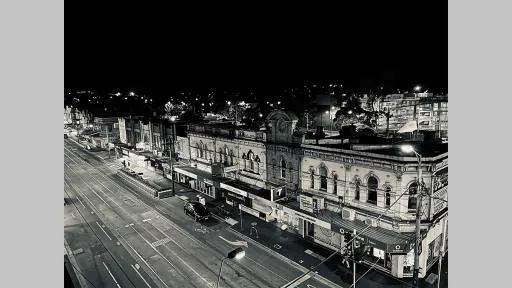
column 173, row 134
column 408, row 149
column 237, row 254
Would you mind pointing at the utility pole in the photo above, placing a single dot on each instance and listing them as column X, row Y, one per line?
column 108, row 146
column 419, row 197
column 354, row 260
column 442, row 252
column 172, row 156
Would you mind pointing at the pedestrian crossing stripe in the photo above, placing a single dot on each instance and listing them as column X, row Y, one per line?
column 160, row 242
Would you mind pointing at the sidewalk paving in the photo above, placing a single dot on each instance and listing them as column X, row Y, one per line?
column 291, row 245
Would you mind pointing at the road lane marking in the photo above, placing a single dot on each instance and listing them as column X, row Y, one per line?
column 146, row 220
column 236, row 243
column 297, row 281
column 90, row 188
column 178, row 257
column 255, row 262
column 111, row 274
column 103, row 230
column 78, row 191
column 169, row 237
column 143, row 260
column 141, row 276
column 160, row 242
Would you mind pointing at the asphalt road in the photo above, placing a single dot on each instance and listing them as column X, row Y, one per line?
column 132, row 240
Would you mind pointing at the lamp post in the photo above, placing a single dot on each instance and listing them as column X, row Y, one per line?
column 173, row 134
column 409, row 149
column 238, row 254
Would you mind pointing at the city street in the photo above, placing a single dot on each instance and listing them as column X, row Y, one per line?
column 129, row 239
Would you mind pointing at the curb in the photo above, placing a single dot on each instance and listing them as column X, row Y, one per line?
column 287, row 260
column 72, row 260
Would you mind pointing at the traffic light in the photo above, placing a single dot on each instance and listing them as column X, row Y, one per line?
column 347, row 236
column 359, row 252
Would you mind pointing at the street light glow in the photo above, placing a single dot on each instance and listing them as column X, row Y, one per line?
column 173, row 118
column 240, row 255
column 132, row 93
column 407, row 148
column 349, row 111
column 417, row 88
column 229, row 102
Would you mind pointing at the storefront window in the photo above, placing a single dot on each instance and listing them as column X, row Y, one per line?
column 312, row 180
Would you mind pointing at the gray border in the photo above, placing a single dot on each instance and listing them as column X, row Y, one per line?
column 479, row 72
column 32, row 88
column 31, row 83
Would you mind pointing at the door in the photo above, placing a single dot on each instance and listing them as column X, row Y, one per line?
column 309, row 229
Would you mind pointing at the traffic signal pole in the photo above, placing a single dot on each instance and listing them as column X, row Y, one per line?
column 419, row 197
column 354, row 258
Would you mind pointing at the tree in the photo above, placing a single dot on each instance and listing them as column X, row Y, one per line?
column 191, row 117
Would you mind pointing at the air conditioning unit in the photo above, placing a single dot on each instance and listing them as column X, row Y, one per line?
column 348, row 214
column 371, row 222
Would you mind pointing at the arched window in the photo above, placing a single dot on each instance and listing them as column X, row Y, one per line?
column 201, row 152
column 245, row 161
column 231, row 156
column 283, row 168
column 198, row 151
column 335, row 183
column 388, row 196
column 373, row 183
column 357, row 182
column 226, row 160
column 413, row 190
column 312, row 179
column 323, row 177
column 250, row 156
column 257, row 161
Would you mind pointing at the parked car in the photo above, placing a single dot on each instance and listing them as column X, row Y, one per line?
column 196, row 210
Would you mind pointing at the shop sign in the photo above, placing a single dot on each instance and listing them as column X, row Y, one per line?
column 186, row 173
column 397, row 248
column 230, row 169
column 236, row 196
column 233, row 189
column 306, row 203
column 313, row 220
column 249, row 210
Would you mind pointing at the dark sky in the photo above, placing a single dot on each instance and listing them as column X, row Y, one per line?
column 118, row 45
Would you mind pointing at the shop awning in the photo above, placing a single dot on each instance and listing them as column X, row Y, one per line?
column 387, row 240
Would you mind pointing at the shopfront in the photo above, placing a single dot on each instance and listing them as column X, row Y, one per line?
column 198, row 180
column 235, row 196
column 388, row 249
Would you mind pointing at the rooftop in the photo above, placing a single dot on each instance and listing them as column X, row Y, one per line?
column 385, row 147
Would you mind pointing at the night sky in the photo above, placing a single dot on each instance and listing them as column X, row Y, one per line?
column 162, row 49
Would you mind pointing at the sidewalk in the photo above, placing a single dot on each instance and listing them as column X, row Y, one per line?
column 309, row 254
column 290, row 245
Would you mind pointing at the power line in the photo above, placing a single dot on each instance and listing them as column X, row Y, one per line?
column 346, row 243
column 99, row 239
